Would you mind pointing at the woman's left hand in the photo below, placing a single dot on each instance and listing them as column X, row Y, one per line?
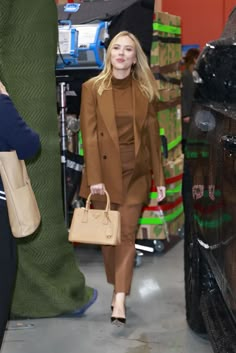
column 161, row 191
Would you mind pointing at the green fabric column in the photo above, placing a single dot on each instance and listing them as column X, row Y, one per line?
column 49, row 282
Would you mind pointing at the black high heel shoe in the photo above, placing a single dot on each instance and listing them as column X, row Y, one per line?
column 118, row 321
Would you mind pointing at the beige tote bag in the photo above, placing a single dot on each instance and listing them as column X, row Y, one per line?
column 92, row 226
column 22, row 206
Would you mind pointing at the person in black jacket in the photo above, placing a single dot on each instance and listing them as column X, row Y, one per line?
column 188, row 91
column 14, row 135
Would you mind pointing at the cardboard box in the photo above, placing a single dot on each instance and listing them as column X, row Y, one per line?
column 175, row 116
column 151, row 232
column 162, row 17
column 176, row 75
column 178, row 121
column 159, row 52
column 156, row 229
column 174, row 93
column 174, row 20
column 174, row 52
column 175, row 152
column 163, row 84
column 167, row 124
column 164, row 95
column 170, row 120
column 172, row 169
column 164, row 52
column 175, row 49
column 170, row 95
column 169, row 80
column 175, row 226
column 159, row 49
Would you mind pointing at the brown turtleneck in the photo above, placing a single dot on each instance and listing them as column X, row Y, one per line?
column 123, row 104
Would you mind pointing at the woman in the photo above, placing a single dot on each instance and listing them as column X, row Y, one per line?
column 188, row 91
column 122, row 145
column 14, row 135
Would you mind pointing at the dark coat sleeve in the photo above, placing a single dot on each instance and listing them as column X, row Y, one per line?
column 15, row 134
column 187, row 93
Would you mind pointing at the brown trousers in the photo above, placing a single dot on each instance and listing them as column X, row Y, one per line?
column 119, row 259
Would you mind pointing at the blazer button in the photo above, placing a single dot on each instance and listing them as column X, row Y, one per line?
column 104, row 157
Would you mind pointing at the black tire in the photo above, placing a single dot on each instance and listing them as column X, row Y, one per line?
column 193, row 263
column 159, row 246
column 138, row 260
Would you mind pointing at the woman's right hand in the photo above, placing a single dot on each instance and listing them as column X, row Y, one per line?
column 97, row 189
column 3, row 89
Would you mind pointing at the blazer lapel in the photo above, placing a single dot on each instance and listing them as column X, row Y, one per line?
column 140, row 107
column 107, row 110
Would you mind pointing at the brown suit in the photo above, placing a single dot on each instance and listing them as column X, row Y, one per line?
column 101, row 145
column 103, row 165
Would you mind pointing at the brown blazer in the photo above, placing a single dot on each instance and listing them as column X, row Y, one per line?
column 101, row 145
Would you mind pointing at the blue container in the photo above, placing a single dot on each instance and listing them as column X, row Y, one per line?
column 67, row 53
column 91, row 44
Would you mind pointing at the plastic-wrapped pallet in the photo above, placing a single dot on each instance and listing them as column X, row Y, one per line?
column 166, row 49
column 152, row 226
column 165, row 59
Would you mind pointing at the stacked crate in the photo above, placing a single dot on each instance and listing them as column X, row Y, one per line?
column 157, row 222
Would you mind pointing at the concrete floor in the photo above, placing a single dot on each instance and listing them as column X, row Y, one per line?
column 155, row 315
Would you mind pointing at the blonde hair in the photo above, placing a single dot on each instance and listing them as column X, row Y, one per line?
column 141, row 71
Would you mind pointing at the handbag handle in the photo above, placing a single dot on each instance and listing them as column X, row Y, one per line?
column 108, row 205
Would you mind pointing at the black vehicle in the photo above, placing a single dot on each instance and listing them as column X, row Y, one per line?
column 209, row 191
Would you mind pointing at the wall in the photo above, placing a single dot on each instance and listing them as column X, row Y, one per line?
column 202, row 20
column 229, row 5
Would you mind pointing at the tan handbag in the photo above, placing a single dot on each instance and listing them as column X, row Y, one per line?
column 22, row 206
column 92, row 226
